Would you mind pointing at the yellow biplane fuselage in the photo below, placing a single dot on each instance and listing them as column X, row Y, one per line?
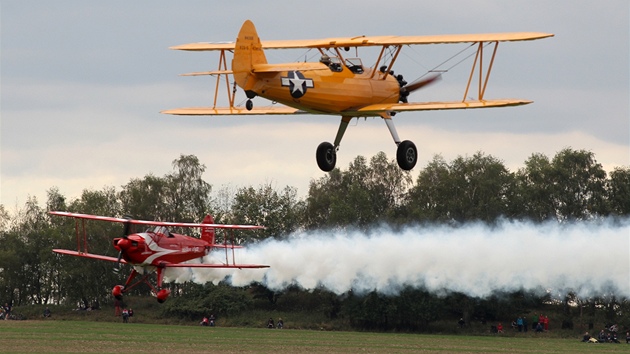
column 322, row 90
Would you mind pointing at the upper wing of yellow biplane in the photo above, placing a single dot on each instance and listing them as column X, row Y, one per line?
column 364, row 41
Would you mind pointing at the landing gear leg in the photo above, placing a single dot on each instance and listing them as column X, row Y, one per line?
column 326, row 154
column 406, row 154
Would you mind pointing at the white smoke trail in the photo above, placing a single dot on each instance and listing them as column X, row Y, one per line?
column 587, row 258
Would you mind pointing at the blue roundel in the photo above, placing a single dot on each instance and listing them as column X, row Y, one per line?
column 297, row 83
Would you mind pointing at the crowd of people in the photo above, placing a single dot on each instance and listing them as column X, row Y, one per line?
column 606, row 335
column 540, row 324
column 208, row 321
column 279, row 325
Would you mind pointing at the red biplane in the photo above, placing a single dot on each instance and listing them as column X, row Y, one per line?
column 157, row 249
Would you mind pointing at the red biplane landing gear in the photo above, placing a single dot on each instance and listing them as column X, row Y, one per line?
column 117, row 292
column 160, row 294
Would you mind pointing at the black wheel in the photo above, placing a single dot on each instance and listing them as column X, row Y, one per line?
column 326, row 156
column 249, row 105
column 407, row 155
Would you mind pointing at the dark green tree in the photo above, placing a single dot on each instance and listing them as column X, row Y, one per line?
column 278, row 211
column 578, row 182
column 618, row 191
column 534, row 195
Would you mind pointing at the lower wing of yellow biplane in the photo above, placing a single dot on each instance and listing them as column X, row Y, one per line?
column 374, row 110
column 226, row 111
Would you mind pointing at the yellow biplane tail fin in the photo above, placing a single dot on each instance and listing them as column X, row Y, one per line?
column 247, row 53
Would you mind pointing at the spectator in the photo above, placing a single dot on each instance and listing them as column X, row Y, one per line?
column 534, row 322
column 7, row 311
column 270, row 323
column 47, row 312
column 125, row 316
column 204, row 321
column 586, row 337
column 212, row 320
column 280, row 323
column 614, row 338
column 524, row 323
column 519, row 324
column 500, row 328
column 461, row 322
column 602, row 336
column 546, row 323
column 627, row 337
column 539, row 327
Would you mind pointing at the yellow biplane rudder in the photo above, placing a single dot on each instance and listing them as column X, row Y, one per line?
column 247, row 53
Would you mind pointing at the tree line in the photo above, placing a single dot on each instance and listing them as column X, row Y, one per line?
column 571, row 186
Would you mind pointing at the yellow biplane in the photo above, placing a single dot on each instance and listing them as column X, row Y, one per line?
column 340, row 85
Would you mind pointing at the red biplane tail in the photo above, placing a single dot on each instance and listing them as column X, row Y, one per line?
column 207, row 233
column 247, row 53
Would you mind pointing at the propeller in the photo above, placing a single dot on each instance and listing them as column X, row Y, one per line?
column 124, row 241
column 405, row 89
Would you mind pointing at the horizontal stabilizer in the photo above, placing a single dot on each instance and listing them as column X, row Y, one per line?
column 278, row 68
column 212, row 73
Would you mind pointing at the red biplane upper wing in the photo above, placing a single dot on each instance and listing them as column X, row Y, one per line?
column 89, row 255
column 156, row 223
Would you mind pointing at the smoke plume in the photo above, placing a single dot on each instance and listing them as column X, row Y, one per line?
column 586, row 258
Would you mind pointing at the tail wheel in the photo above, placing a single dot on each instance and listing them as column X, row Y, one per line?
column 407, row 155
column 326, row 156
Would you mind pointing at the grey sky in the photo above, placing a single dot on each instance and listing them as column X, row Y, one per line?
column 82, row 84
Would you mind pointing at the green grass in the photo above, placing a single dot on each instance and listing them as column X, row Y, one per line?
column 58, row 336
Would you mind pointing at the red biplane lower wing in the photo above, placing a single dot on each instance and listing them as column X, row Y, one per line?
column 207, row 265
column 89, row 255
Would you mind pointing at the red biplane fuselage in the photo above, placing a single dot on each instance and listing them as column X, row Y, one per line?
column 160, row 246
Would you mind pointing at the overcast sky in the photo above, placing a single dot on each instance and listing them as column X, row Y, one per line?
column 82, row 85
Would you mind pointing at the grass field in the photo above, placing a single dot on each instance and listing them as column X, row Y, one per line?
column 110, row 337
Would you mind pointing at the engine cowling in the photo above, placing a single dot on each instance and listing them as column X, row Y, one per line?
column 162, row 295
column 117, row 291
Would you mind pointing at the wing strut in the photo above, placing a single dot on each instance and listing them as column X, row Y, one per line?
column 479, row 58
column 81, row 241
column 223, row 68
